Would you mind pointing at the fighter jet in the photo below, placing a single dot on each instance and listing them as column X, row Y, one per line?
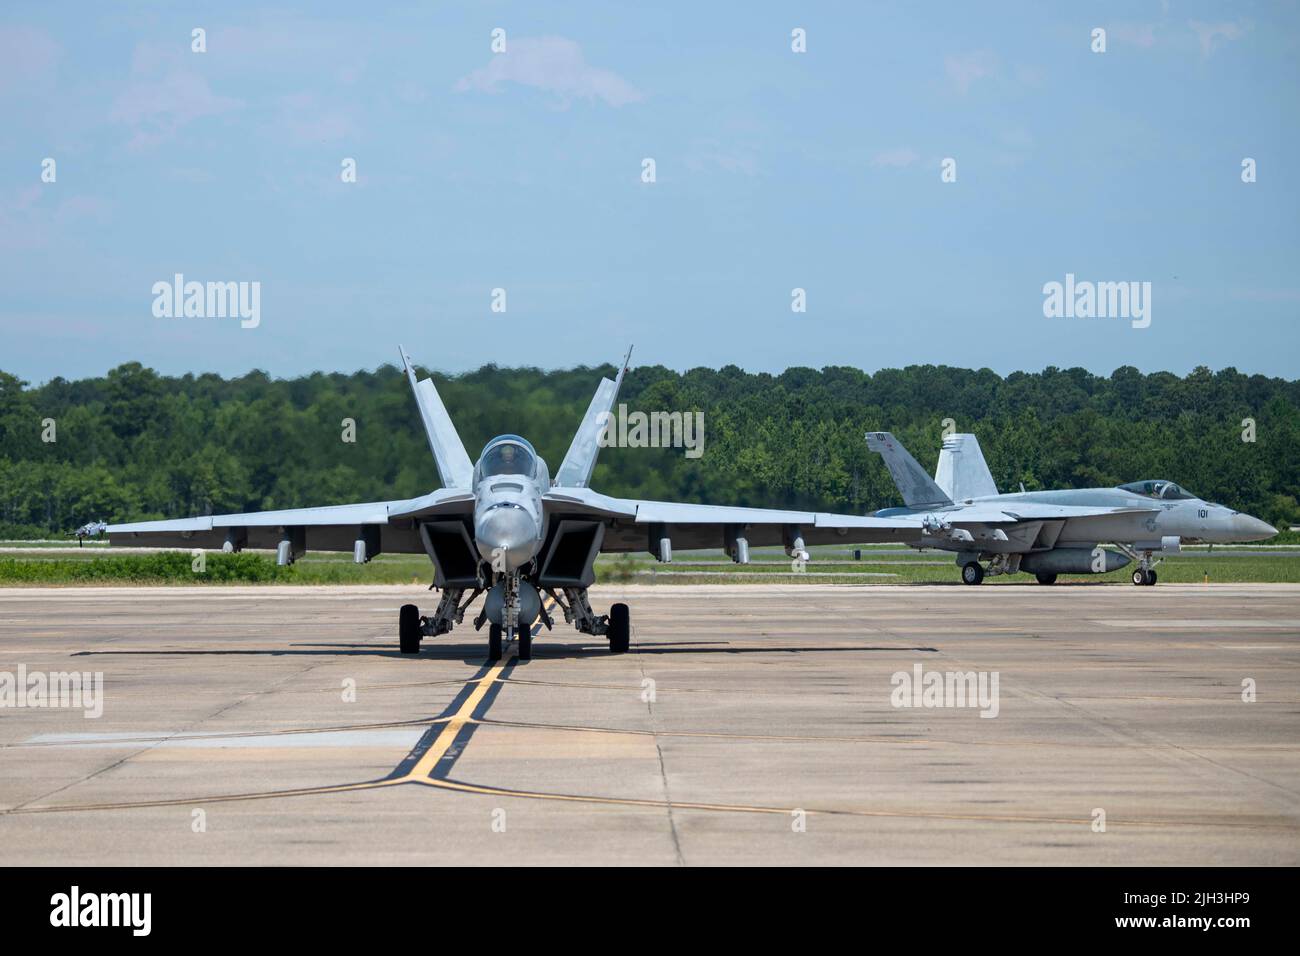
column 1046, row 533
column 89, row 530
column 504, row 528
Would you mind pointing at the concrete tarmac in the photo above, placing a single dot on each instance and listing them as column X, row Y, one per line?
column 749, row 724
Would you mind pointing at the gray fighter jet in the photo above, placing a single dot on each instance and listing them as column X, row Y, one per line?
column 1047, row 533
column 503, row 527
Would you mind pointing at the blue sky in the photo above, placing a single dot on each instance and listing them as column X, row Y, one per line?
column 522, row 171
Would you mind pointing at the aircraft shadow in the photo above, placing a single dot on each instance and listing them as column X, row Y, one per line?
column 473, row 654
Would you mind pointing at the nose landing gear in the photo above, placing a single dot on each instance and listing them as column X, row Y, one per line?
column 518, row 607
column 1145, row 572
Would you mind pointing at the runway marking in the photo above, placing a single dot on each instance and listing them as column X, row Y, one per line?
column 868, row 739
column 101, row 740
column 458, row 721
column 425, row 770
column 446, row 784
column 487, row 790
column 217, row 798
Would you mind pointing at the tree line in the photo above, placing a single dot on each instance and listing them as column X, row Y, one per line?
column 134, row 445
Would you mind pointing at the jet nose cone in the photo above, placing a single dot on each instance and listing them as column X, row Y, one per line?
column 507, row 534
column 1246, row 528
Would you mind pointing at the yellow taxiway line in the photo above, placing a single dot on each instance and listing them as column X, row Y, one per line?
column 465, row 715
column 420, row 774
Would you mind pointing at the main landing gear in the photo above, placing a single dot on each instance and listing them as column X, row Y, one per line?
column 972, row 572
column 1145, row 576
column 412, row 627
column 616, row 626
column 620, row 629
column 408, row 629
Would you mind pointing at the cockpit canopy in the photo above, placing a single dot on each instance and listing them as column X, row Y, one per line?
column 1164, row 490
column 508, row 455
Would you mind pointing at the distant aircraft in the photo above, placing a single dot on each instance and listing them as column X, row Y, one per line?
column 89, row 530
column 1047, row 533
column 504, row 527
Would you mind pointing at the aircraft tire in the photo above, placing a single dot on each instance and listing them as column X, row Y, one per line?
column 620, row 629
column 972, row 573
column 1151, row 576
column 494, row 642
column 1046, row 578
column 408, row 629
column 525, row 643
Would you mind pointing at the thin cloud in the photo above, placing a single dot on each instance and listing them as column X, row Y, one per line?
column 156, row 105
column 899, row 158
column 555, row 65
column 1207, row 33
column 968, row 68
column 27, row 58
column 1136, row 34
column 307, row 121
column 711, row 154
column 30, row 218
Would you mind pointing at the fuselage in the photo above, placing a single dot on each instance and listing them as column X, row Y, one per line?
column 1167, row 511
column 509, row 522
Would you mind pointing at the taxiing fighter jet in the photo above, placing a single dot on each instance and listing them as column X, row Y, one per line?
column 1047, row 533
column 503, row 526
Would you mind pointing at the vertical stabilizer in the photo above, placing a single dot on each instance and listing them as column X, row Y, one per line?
column 962, row 472
column 454, row 466
column 575, row 471
column 917, row 488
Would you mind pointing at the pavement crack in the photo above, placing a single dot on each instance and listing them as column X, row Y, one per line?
column 663, row 769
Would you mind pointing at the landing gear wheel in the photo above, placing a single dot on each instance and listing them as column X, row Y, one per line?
column 620, row 629
column 494, row 642
column 972, row 572
column 1151, row 576
column 1046, row 578
column 1141, row 576
column 408, row 629
column 525, row 643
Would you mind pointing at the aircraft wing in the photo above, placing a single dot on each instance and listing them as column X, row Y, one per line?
column 630, row 522
column 329, row 528
column 1016, row 511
